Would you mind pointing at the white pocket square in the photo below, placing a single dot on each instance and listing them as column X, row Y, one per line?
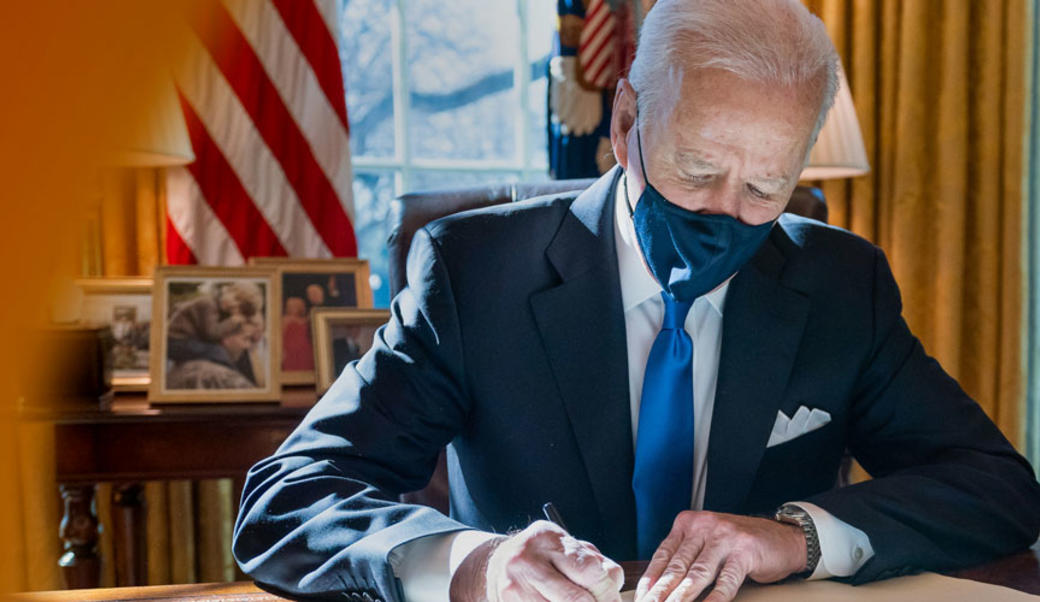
column 804, row 421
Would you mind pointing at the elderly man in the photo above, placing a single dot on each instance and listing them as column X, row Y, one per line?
column 666, row 358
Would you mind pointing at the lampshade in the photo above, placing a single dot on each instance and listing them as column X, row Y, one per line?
column 839, row 150
column 159, row 137
column 154, row 133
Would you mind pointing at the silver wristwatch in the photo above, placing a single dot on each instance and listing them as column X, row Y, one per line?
column 793, row 515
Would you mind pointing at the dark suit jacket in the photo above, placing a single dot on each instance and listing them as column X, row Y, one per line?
column 509, row 344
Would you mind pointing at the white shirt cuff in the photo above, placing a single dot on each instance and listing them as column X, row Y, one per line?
column 426, row 565
column 843, row 548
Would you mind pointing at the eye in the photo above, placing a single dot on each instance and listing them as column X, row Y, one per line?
column 757, row 192
column 698, row 180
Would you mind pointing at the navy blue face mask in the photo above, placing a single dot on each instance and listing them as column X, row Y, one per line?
column 690, row 253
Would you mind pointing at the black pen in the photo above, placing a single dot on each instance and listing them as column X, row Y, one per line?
column 553, row 515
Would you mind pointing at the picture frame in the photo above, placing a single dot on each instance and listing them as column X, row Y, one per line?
column 213, row 336
column 333, row 324
column 122, row 308
column 307, row 284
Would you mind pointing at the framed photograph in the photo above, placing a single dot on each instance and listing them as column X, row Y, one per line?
column 122, row 307
column 214, row 335
column 308, row 284
column 340, row 337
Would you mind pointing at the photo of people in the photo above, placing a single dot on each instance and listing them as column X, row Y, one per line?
column 129, row 339
column 308, row 284
column 350, row 342
column 217, row 335
column 342, row 336
column 301, row 292
column 124, row 308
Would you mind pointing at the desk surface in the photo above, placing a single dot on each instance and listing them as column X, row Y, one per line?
column 1019, row 571
column 134, row 407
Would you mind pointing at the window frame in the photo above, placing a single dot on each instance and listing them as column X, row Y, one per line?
column 403, row 164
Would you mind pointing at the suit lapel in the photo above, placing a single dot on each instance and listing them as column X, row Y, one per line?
column 582, row 325
column 762, row 326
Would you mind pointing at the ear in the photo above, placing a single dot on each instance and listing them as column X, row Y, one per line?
column 622, row 118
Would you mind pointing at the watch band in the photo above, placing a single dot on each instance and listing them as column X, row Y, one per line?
column 795, row 515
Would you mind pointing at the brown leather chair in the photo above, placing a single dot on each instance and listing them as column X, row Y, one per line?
column 412, row 211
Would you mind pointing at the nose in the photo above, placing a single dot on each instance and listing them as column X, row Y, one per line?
column 722, row 199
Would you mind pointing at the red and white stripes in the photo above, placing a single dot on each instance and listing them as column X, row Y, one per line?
column 263, row 100
column 596, row 52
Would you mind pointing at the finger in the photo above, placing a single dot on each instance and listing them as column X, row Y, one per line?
column 730, row 578
column 676, row 570
column 659, row 562
column 581, row 563
column 518, row 593
column 554, row 585
column 700, row 574
column 518, row 587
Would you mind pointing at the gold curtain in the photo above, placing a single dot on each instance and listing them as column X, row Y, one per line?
column 939, row 87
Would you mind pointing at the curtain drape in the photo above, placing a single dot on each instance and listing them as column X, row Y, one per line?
column 1032, row 180
column 939, row 87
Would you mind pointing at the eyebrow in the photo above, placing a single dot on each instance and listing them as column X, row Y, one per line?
column 696, row 161
column 692, row 159
column 778, row 181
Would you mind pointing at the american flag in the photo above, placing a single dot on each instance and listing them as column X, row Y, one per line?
column 263, row 100
column 596, row 50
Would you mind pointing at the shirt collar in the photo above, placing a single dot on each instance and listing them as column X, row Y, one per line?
column 637, row 283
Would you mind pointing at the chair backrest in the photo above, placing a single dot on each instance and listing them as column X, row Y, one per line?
column 412, row 211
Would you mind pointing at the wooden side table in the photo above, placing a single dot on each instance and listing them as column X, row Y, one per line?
column 133, row 442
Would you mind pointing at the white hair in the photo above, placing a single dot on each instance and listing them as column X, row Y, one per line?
column 764, row 41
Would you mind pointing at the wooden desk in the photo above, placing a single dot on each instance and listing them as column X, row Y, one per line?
column 134, row 442
column 1020, row 571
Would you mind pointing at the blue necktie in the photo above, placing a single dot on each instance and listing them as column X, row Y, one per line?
column 663, row 477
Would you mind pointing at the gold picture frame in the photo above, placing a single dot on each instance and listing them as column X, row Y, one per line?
column 329, row 279
column 326, row 321
column 226, row 338
column 119, row 305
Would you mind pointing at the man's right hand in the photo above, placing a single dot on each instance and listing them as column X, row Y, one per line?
column 542, row 562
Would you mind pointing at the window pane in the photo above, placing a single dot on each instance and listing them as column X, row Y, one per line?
column 541, row 14
column 367, row 59
column 372, row 194
column 461, row 56
column 430, row 179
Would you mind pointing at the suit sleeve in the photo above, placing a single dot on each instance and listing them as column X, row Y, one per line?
column 321, row 516
column 948, row 490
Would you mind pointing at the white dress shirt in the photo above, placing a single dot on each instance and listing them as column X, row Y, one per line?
column 425, row 565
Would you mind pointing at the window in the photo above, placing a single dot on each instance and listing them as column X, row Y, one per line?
column 441, row 94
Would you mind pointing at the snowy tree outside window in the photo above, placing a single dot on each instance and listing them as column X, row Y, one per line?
column 440, row 95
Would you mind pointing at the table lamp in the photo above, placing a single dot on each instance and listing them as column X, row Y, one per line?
column 839, row 150
column 158, row 136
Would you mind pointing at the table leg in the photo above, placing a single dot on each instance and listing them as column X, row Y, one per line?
column 80, row 563
column 128, row 529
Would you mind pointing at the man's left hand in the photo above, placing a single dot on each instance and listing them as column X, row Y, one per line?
column 706, row 547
